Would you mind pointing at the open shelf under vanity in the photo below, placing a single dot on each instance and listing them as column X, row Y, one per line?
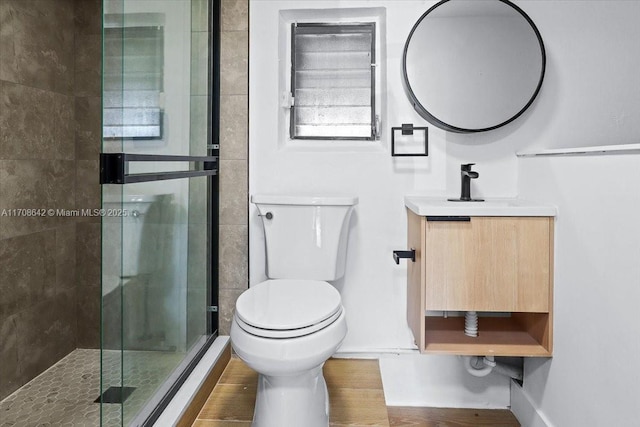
column 521, row 335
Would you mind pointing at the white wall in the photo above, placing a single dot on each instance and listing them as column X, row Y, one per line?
column 591, row 91
column 568, row 111
column 592, row 379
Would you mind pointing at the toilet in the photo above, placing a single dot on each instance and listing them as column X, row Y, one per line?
column 286, row 327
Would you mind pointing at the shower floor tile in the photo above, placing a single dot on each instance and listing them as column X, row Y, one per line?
column 64, row 394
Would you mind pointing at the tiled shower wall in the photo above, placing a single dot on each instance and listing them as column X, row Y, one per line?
column 88, row 137
column 234, row 90
column 49, row 145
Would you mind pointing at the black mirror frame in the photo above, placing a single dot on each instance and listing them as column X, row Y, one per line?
column 439, row 123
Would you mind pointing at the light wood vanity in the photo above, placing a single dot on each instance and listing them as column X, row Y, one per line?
column 495, row 259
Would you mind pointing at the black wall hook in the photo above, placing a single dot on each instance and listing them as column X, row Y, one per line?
column 411, row 254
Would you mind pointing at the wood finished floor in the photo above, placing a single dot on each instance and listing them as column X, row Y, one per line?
column 450, row 417
column 355, row 396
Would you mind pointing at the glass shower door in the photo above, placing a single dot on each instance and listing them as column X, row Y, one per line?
column 158, row 170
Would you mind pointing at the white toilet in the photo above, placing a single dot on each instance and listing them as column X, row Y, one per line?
column 286, row 327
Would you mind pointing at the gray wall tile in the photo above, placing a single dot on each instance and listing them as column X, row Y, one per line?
column 88, row 65
column 9, row 373
column 88, row 130
column 65, row 259
column 37, row 323
column 38, row 184
column 6, row 40
column 88, row 141
column 234, row 124
column 227, row 302
column 234, row 257
column 35, row 123
column 88, row 187
column 234, row 60
column 233, row 192
column 43, row 65
column 88, row 17
column 233, row 241
column 88, row 54
column 46, row 333
column 235, row 15
column 88, row 256
column 38, row 44
column 27, row 271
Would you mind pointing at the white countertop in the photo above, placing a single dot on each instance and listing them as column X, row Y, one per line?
column 439, row 206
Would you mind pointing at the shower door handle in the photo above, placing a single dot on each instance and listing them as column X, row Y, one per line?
column 114, row 167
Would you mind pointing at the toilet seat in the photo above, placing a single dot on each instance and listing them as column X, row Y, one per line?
column 288, row 308
column 287, row 333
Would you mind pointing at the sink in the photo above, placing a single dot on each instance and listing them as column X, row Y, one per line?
column 440, row 206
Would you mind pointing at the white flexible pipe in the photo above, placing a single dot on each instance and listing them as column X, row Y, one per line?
column 475, row 365
column 510, row 371
column 480, row 366
column 471, row 324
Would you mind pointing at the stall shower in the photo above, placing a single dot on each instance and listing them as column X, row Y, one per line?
column 108, row 274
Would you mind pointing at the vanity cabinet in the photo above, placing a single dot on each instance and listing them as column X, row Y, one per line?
column 498, row 266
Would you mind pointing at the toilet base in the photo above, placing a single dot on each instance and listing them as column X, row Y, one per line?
column 292, row 401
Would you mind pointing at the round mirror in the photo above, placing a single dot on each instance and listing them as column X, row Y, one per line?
column 473, row 65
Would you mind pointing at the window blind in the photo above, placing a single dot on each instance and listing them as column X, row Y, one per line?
column 333, row 81
column 133, row 82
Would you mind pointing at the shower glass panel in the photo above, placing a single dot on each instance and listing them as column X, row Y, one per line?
column 158, row 169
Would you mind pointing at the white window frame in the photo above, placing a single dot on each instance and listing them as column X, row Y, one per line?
column 335, row 28
column 333, row 16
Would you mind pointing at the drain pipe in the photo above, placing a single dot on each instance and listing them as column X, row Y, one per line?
column 471, row 324
column 480, row 366
column 508, row 370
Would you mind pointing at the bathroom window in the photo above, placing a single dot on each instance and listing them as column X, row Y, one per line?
column 332, row 92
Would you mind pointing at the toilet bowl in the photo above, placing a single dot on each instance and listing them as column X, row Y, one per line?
column 288, row 349
column 286, row 327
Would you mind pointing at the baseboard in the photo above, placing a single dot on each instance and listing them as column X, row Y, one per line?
column 525, row 410
column 187, row 403
column 371, row 353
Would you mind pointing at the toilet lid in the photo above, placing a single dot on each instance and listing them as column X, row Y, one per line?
column 288, row 304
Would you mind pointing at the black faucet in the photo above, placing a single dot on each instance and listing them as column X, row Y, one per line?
column 466, row 175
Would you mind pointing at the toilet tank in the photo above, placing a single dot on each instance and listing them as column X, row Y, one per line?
column 305, row 236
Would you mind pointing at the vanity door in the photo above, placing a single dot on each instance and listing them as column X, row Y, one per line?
column 488, row 264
